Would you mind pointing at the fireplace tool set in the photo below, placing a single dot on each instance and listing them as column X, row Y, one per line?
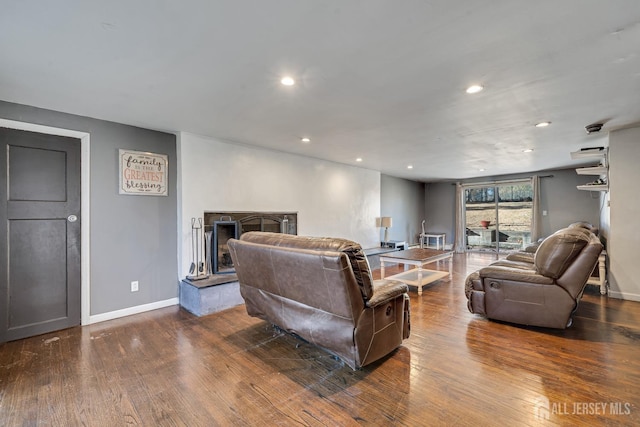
column 197, row 269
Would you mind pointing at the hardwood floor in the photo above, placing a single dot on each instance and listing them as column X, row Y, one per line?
column 168, row 367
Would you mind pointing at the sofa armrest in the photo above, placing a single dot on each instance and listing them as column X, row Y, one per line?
column 385, row 291
column 514, row 275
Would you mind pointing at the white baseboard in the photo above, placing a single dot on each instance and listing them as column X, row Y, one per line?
column 624, row 295
column 133, row 310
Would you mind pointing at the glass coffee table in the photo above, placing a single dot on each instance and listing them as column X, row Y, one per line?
column 419, row 257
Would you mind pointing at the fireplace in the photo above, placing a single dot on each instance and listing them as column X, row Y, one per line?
column 222, row 226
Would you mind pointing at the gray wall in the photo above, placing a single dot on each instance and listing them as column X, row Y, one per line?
column 623, row 234
column 566, row 204
column 440, row 209
column 402, row 200
column 132, row 237
column 558, row 196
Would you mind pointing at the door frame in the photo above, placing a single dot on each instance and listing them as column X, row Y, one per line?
column 85, row 205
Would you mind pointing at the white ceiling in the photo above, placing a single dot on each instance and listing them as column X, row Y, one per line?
column 379, row 79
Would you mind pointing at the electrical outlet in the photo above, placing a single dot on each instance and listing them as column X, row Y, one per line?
column 134, row 286
column 544, row 213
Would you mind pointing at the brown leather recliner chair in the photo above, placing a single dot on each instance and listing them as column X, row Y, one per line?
column 527, row 254
column 543, row 293
column 321, row 289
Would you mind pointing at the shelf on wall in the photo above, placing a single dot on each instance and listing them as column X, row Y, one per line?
column 592, row 170
column 590, row 152
column 598, row 187
column 601, row 170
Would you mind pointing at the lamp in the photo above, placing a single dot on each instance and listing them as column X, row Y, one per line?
column 386, row 222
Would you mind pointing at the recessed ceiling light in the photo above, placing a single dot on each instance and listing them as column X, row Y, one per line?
column 474, row 89
column 481, row 170
column 410, row 167
column 287, row 81
column 542, row 124
column 359, row 159
column 305, row 140
column 527, row 150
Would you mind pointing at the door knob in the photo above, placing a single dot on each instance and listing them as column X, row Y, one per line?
column 72, row 218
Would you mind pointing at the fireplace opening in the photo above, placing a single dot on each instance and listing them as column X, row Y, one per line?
column 222, row 226
column 223, row 230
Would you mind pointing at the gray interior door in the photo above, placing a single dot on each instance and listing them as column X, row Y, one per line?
column 40, row 233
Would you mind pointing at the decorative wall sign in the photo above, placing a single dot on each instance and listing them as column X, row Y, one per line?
column 143, row 173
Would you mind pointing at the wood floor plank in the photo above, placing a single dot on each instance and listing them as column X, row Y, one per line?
column 168, row 367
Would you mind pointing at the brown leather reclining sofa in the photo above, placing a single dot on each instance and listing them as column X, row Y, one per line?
column 542, row 288
column 321, row 289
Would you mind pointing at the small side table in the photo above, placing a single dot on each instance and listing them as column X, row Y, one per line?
column 601, row 278
column 440, row 238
